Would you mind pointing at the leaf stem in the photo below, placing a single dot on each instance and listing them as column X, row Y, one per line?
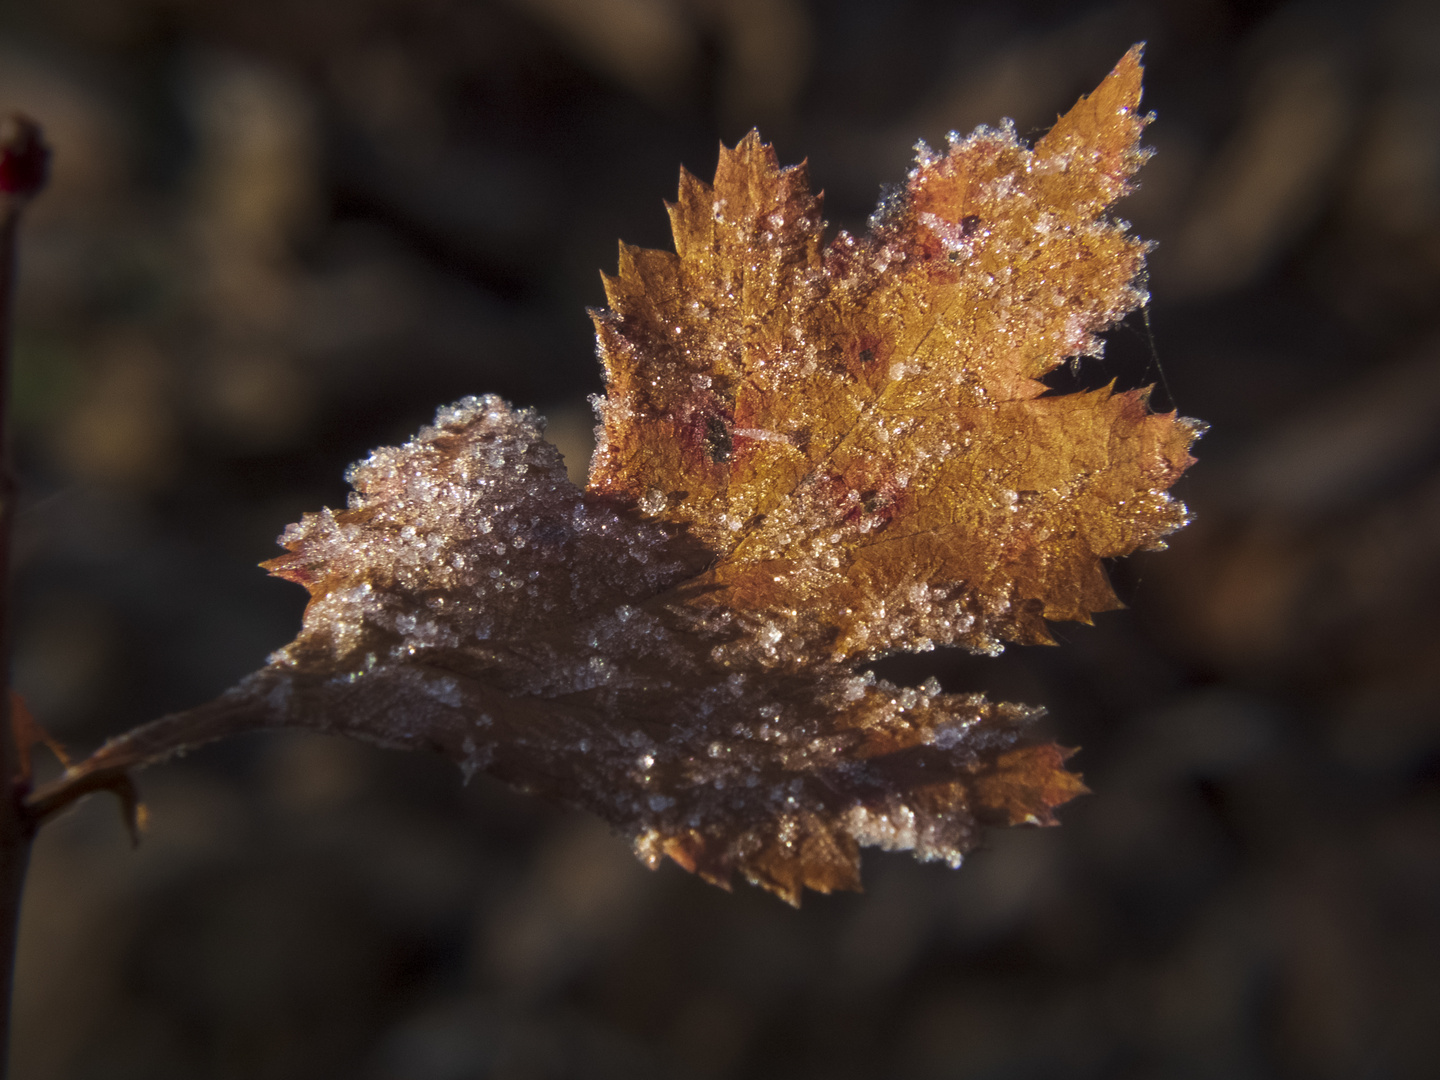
column 24, row 165
column 238, row 711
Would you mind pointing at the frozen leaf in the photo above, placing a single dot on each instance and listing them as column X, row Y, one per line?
column 811, row 455
column 858, row 430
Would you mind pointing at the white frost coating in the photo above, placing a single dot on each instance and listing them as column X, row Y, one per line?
column 764, row 435
column 474, row 758
column 953, row 235
column 890, row 831
column 467, row 550
column 443, row 689
column 425, row 554
column 949, row 736
column 279, row 696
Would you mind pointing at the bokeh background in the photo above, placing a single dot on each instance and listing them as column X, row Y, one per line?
column 281, row 232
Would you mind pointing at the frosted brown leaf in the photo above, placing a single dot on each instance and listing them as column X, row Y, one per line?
column 811, row 455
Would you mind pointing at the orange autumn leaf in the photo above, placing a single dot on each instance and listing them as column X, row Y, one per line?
column 812, row 455
column 858, row 430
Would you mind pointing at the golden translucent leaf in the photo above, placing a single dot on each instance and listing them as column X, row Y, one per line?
column 813, row 454
column 858, row 430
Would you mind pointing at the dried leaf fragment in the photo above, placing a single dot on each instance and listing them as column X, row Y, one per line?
column 812, row 455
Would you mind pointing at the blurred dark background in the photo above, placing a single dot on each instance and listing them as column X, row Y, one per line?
column 281, row 233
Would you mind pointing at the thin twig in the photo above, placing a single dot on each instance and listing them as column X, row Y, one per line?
column 239, row 711
column 24, row 164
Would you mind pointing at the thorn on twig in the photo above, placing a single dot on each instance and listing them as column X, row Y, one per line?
column 28, row 733
column 132, row 810
column 76, row 784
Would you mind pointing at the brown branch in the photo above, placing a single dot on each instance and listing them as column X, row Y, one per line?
column 108, row 768
column 24, row 164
